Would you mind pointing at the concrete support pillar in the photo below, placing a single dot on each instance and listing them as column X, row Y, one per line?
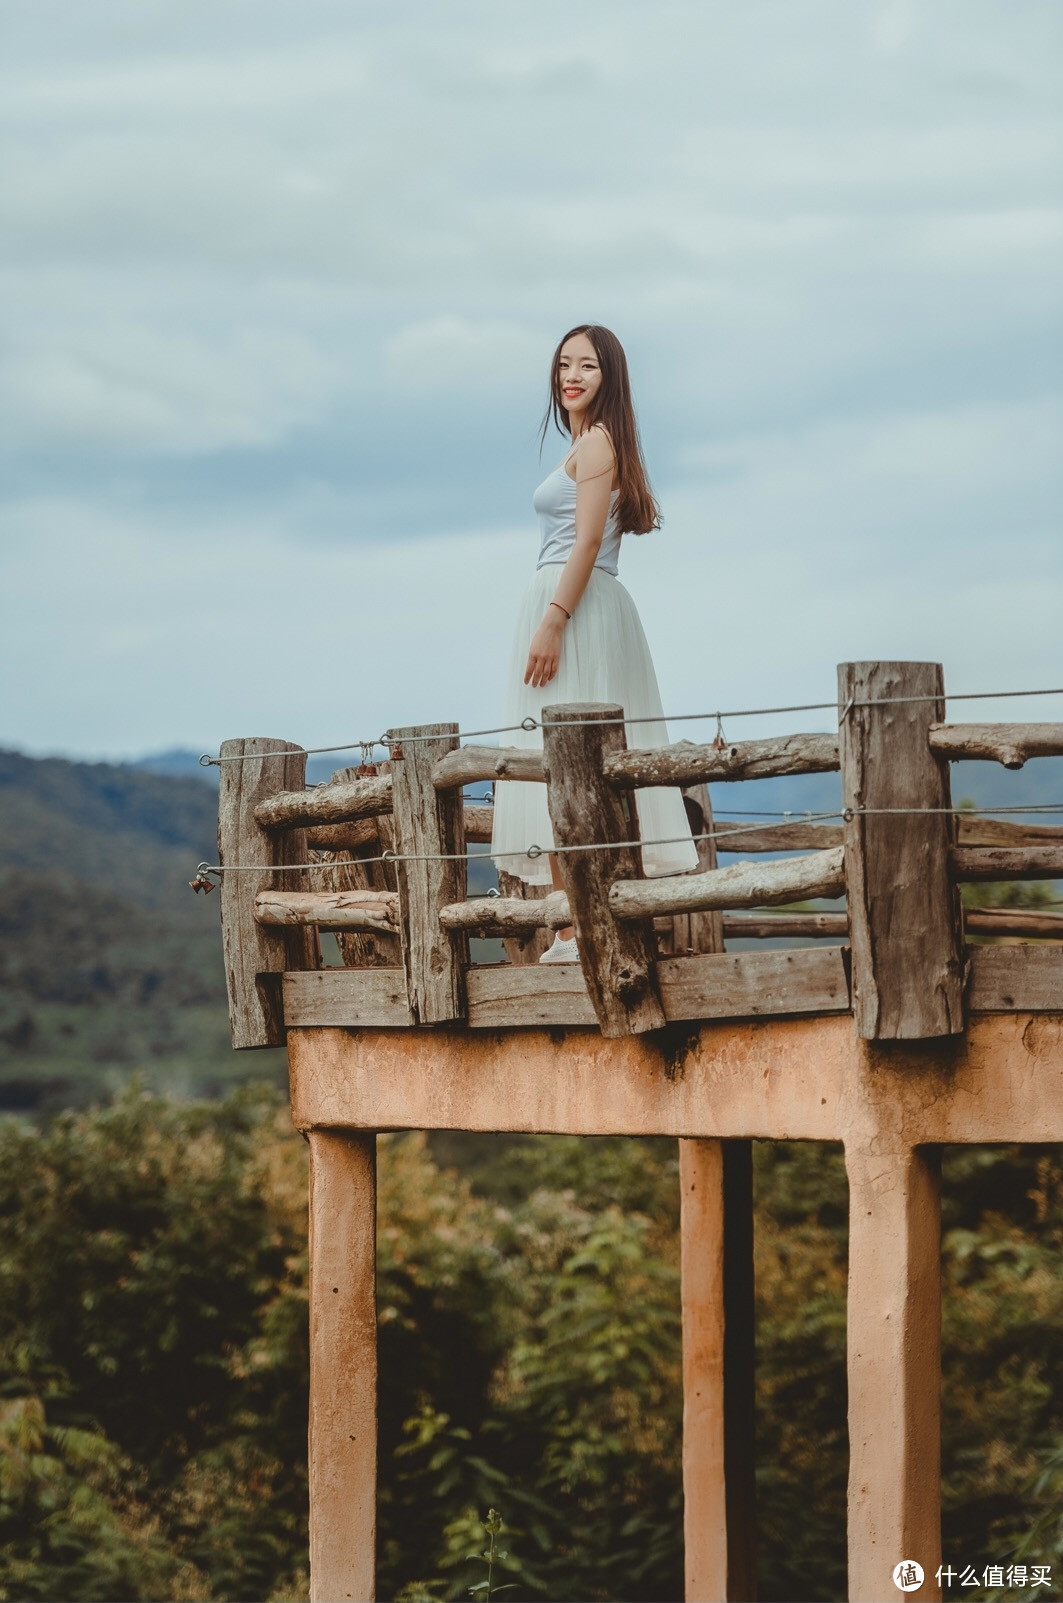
column 894, row 1360
column 343, row 1407
column 717, row 1279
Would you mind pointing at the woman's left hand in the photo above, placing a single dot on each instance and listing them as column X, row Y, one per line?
column 544, row 655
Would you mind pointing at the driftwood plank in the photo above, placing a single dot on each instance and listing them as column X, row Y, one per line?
column 430, row 837
column 364, row 835
column 617, row 960
column 520, row 995
column 326, row 804
column 976, row 864
column 331, row 910
column 1016, row 979
column 726, row 985
column 739, row 885
column 255, row 956
column 347, row 998
column 688, row 764
column 468, row 765
column 1009, row 744
column 904, row 915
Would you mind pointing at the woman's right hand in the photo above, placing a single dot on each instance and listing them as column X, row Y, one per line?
column 544, row 655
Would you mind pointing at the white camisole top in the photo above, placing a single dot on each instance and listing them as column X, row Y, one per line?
column 555, row 502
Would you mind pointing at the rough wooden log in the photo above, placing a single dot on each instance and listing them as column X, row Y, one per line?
column 740, row 885
column 806, row 836
column 1002, row 832
column 904, row 915
column 468, row 765
column 1028, row 923
column 326, row 804
column 1009, row 744
column 507, row 915
column 786, row 926
column 617, row 961
column 430, row 836
column 977, row 864
column 364, row 834
column 735, row 836
column 255, row 956
column 330, row 910
column 688, row 764
column 354, row 837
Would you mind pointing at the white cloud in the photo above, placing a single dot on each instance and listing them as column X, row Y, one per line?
column 462, row 355
column 134, row 389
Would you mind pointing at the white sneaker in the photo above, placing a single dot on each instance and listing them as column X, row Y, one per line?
column 561, row 951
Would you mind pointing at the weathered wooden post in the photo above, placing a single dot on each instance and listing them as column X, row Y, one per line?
column 904, row 916
column 430, row 831
column 343, row 1366
column 716, row 1251
column 617, row 959
column 893, row 1343
column 255, row 955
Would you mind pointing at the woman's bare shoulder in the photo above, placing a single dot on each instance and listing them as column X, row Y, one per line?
column 596, row 454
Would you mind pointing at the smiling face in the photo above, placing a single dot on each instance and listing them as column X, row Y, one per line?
column 579, row 378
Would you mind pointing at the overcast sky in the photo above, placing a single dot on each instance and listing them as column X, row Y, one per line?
column 281, row 285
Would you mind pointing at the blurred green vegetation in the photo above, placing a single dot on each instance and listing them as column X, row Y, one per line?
column 153, row 1359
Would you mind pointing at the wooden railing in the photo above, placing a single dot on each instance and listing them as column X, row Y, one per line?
column 897, row 853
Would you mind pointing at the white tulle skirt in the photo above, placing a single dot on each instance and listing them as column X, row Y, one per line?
column 604, row 657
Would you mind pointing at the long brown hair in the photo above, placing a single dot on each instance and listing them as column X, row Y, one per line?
column 637, row 512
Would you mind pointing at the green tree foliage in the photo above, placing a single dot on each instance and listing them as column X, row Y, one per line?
column 153, row 1362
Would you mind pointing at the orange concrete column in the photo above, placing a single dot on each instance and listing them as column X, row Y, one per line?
column 717, row 1278
column 894, row 1357
column 342, row 1366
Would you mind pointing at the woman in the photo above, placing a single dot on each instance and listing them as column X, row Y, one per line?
column 578, row 635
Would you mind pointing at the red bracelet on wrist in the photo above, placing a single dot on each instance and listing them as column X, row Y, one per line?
column 560, row 608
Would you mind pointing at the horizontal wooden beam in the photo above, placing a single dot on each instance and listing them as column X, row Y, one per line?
column 362, row 833
column 1028, row 922
column 331, row 910
column 733, row 836
column 356, row 836
column 326, row 804
column 689, row 764
column 507, row 915
column 785, row 926
column 513, row 996
column 1009, row 744
column 355, row 998
column 794, row 879
column 980, row 864
column 803, row 835
column 1017, row 979
column 1003, row 832
column 468, row 765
